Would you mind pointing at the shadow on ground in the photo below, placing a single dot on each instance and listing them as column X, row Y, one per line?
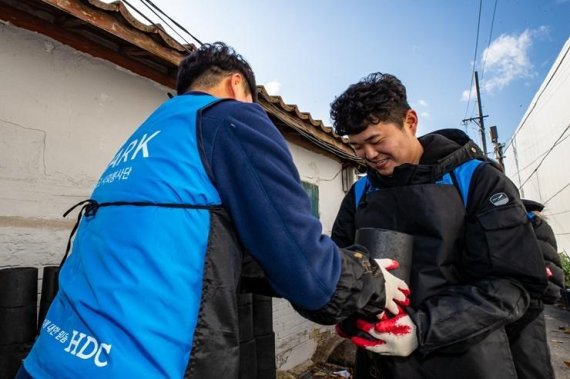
column 339, row 362
column 558, row 334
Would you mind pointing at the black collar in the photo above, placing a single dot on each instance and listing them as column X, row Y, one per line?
column 443, row 151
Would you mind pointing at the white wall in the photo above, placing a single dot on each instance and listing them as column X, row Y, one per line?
column 297, row 338
column 538, row 156
column 63, row 115
column 325, row 172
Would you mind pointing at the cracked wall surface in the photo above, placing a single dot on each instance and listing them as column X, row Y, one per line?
column 63, row 114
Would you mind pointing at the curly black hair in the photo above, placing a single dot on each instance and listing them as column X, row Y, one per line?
column 376, row 98
column 207, row 65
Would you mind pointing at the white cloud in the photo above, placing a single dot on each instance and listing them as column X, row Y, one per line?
column 273, row 87
column 423, row 103
column 465, row 95
column 424, row 114
column 507, row 58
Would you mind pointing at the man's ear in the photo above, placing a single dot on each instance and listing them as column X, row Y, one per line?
column 235, row 83
column 411, row 121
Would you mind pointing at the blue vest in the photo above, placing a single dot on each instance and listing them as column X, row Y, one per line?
column 462, row 180
column 130, row 291
column 462, row 176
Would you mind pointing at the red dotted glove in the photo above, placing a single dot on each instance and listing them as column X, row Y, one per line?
column 347, row 328
column 549, row 273
column 394, row 336
column 396, row 290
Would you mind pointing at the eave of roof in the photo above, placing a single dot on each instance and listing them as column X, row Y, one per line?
column 111, row 32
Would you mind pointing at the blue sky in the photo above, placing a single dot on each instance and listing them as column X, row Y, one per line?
column 310, row 51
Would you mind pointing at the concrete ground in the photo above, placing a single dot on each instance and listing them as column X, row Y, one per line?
column 558, row 334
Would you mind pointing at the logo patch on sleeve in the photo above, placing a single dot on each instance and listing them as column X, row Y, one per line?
column 499, row 199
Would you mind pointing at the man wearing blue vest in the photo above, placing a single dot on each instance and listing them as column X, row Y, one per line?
column 149, row 289
column 477, row 273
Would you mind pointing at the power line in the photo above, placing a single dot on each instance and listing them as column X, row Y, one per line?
column 489, row 41
column 557, row 193
column 541, row 155
column 475, row 76
column 529, row 147
column 547, row 154
column 144, row 2
column 479, row 120
column 557, row 213
column 173, row 21
column 474, row 57
column 537, row 98
column 139, row 12
column 151, row 6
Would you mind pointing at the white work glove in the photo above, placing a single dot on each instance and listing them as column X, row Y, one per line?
column 396, row 290
column 394, row 336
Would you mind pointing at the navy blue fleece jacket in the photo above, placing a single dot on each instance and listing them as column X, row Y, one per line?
column 253, row 171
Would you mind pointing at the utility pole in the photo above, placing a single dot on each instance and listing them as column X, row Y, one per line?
column 479, row 120
column 498, row 146
column 481, row 123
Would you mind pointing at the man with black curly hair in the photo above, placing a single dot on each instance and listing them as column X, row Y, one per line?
column 150, row 287
column 476, row 264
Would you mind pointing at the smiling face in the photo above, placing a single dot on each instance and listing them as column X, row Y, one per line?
column 386, row 145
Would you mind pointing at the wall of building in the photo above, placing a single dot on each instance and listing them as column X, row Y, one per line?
column 536, row 156
column 296, row 337
column 63, row 115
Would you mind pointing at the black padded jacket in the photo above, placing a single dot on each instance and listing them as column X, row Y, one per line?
column 476, row 262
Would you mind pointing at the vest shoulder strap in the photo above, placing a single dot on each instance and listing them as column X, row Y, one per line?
column 460, row 177
column 360, row 188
